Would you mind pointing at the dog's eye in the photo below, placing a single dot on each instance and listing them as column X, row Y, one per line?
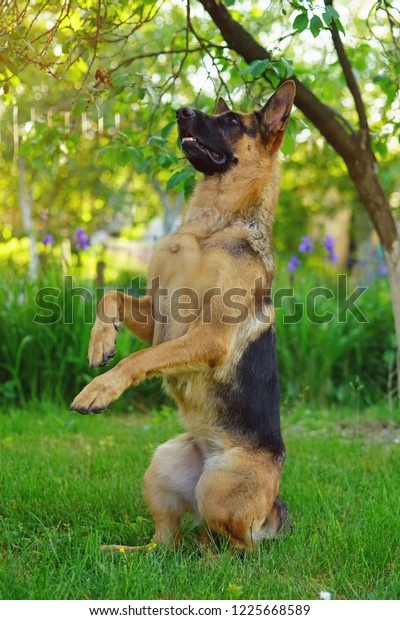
column 233, row 121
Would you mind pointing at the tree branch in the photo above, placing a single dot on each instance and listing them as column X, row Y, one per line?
column 349, row 76
column 321, row 115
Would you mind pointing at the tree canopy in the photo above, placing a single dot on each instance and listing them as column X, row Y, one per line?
column 90, row 89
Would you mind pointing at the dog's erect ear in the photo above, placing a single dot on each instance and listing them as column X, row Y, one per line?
column 275, row 114
column 221, row 106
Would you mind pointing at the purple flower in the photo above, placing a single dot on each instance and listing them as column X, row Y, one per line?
column 81, row 239
column 382, row 270
column 293, row 264
column 48, row 240
column 306, row 245
column 329, row 243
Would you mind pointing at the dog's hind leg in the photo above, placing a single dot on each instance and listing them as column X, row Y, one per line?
column 236, row 495
column 169, row 486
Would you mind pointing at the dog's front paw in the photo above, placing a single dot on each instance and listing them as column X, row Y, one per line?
column 97, row 395
column 102, row 345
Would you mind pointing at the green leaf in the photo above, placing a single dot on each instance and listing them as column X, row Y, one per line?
column 327, row 17
column 174, row 159
column 79, row 106
column 161, row 160
column 157, row 141
column 339, row 25
column 188, row 185
column 122, row 78
column 330, row 15
column 177, row 178
column 289, row 144
column 283, row 68
column 300, row 22
column 315, row 26
column 169, row 160
column 380, row 148
column 107, row 155
column 135, row 155
column 273, row 77
column 223, row 64
column 165, row 131
column 152, row 93
column 7, row 60
column 331, row 11
column 117, row 90
column 257, row 67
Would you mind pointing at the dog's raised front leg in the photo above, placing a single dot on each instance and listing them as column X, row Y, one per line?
column 115, row 308
column 204, row 346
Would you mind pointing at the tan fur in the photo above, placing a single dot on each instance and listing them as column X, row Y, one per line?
column 215, row 474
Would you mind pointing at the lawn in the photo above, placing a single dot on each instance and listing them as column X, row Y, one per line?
column 71, row 483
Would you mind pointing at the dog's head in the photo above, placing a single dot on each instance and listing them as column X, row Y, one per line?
column 215, row 143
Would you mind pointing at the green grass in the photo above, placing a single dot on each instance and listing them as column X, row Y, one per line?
column 70, row 483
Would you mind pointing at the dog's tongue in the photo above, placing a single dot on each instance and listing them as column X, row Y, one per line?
column 192, row 139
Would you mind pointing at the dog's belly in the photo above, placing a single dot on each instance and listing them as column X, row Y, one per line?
column 191, row 392
column 237, row 402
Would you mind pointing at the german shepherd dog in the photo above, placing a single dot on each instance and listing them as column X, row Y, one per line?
column 209, row 317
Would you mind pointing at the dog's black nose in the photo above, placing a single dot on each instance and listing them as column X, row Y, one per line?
column 185, row 113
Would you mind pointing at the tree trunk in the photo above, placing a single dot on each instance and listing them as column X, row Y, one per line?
column 392, row 258
column 365, row 176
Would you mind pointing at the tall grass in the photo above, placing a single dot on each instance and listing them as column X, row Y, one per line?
column 43, row 356
column 343, row 360
column 335, row 362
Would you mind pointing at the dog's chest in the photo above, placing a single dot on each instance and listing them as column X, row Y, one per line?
column 188, row 265
column 191, row 273
column 180, row 274
column 178, row 261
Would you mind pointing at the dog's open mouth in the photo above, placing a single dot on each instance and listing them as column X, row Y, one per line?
column 189, row 141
